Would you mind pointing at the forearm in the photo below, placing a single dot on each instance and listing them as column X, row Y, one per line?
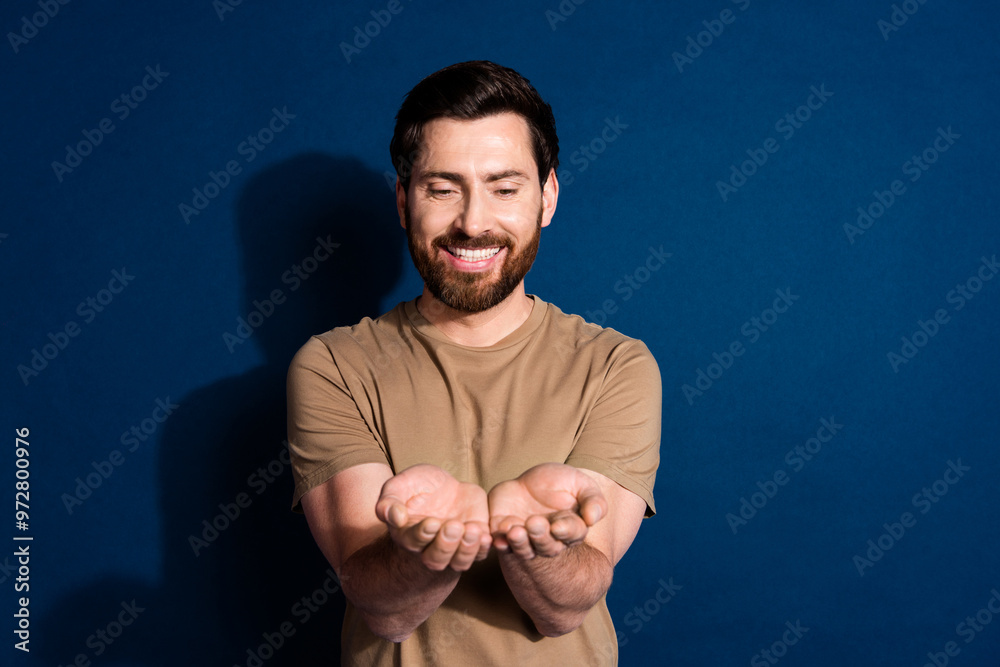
column 392, row 589
column 557, row 592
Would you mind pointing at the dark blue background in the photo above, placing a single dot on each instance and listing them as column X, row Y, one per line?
column 654, row 186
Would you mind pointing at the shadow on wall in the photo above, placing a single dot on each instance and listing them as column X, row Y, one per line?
column 243, row 582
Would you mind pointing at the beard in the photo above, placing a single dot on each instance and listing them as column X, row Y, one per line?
column 473, row 291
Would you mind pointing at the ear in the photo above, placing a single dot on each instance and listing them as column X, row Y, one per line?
column 401, row 203
column 550, row 197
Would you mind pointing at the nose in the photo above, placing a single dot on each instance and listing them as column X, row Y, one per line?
column 474, row 219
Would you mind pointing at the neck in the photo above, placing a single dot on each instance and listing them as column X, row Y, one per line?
column 477, row 329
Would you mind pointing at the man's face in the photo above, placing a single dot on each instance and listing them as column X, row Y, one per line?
column 474, row 209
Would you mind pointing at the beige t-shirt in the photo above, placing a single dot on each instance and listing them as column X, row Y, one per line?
column 395, row 390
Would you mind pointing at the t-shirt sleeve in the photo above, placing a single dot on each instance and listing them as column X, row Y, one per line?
column 327, row 432
column 621, row 435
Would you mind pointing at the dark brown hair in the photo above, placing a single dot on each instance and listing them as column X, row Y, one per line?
column 470, row 91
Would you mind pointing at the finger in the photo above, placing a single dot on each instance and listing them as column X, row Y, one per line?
column 417, row 537
column 542, row 541
column 468, row 549
column 568, row 528
column 498, row 536
column 507, row 523
column 439, row 553
column 520, row 543
column 593, row 506
column 502, row 525
column 392, row 512
column 500, row 542
column 383, row 504
column 485, row 542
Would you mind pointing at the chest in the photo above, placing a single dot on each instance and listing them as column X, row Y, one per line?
column 484, row 423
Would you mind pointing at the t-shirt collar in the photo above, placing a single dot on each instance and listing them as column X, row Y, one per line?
column 425, row 328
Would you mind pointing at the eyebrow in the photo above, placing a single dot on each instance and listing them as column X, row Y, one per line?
column 504, row 175
column 458, row 178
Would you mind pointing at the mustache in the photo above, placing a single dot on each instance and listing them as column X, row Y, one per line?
column 487, row 240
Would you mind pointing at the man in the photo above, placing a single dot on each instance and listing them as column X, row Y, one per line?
column 475, row 462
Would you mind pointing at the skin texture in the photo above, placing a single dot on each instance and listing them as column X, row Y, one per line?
column 396, row 585
column 560, row 531
column 544, row 511
column 399, row 543
column 431, row 514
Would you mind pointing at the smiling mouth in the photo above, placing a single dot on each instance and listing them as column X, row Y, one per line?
column 473, row 254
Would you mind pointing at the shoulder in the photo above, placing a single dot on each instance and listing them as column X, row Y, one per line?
column 593, row 340
column 368, row 333
column 355, row 345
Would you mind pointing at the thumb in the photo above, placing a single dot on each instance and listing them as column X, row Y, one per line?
column 392, row 511
column 593, row 506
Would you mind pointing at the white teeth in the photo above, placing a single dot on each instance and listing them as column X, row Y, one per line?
column 470, row 255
